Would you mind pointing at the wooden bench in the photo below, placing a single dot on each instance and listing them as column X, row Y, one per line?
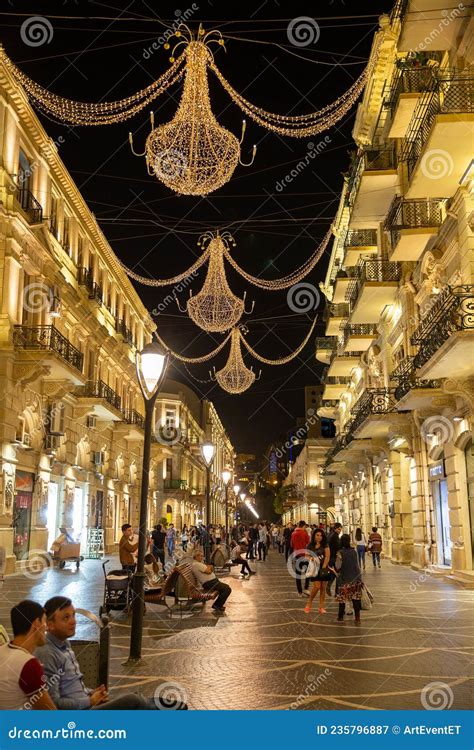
column 220, row 559
column 186, row 590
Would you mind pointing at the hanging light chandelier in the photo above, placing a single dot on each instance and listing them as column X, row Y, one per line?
column 215, row 308
column 192, row 154
column 235, row 377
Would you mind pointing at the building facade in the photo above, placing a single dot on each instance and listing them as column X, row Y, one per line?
column 71, row 427
column 400, row 297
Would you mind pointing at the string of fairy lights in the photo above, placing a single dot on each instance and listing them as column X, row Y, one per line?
column 193, row 154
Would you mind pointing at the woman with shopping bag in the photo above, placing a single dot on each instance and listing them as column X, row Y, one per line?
column 317, row 571
column 349, row 579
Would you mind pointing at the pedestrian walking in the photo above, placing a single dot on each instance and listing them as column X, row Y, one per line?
column 299, row 542
column 171, row 540
column 287, row 532
column 319, row 551
column 375, row 546
column 253, row 537
column 184, row 538
column 361, row 546
column 349, row 588
column 127, row 549
column 262, row 543
column 158, row 537
column 334, row 546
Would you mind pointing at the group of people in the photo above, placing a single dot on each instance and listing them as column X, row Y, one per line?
column 323, row 560
column 40, row 670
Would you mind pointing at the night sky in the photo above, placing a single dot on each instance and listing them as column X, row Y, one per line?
column 92, row 57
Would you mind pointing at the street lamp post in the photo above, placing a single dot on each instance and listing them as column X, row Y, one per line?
column 226, row 475
column 208, row 451
column 151, row 368
column 236, row 489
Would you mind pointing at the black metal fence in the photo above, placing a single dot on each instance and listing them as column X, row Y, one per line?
column 49, row 338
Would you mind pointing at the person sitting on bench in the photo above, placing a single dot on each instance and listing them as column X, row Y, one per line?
column 209, row 582
column 61, row 668
column 237, row 559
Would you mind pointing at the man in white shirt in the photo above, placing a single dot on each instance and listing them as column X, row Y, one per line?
column 23, row 684
column 207, row 578
column 262, row 542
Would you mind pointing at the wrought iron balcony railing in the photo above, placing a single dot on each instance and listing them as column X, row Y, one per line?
column 326, row 342
column 372, row 402
column 453, row 93
column 175, row 484
column 405, row 373
column 336, row 310
column 29, row 204
column 412, row 214
column 134, row 417
column 453, row 311
column 371, row 160
column 411, row 79
column 361, row 238
column 356, row 329
column 99, row 389
column 49, row 338
column 371, row 271
column 122, row 329
column 336, row 379
column 85, row 278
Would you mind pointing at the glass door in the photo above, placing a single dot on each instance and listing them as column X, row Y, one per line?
column 52, row 514
column 440, row 492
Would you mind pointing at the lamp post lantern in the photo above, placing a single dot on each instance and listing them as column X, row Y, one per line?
column 226, row 477
column 208, row 451
column 151, row 364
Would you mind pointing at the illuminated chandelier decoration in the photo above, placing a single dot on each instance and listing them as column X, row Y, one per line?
column 192, row 154
column 215, row 308
column 235, row 377
column 271, row 285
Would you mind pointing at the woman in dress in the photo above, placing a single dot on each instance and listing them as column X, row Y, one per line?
column 319, row 550
column 349, row 579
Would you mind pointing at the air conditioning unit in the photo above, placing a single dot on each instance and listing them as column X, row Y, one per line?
column 51, row 444
column 91, row 421
column 56, row 418
column 98, row 458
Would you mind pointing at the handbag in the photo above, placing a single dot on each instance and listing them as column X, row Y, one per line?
column 312, row 569
column 365, row 599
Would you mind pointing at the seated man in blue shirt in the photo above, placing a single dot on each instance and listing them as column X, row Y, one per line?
column 63, row 674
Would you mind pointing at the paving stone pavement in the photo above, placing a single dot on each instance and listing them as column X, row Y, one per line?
column 412, row 650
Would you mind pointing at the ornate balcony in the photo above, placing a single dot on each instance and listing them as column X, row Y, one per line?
column 122, row 329
column 375, row 287
column 175, row 484
column 370, row 412
column 409, row 82
column 334, row 316
column 372, row 184
column 357, row 337
column 411, row 224
column 408, row 381
column 102, row 398
column 324, row 348
column 85, row 278
column 49, row 339
column 435, row 148
column 446, row 335
column 130, row 416
column 359, row 242
column 334, row 386
column 342, row 363
column 29, row 205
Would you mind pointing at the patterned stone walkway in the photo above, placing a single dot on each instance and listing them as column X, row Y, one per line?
column 413, row 649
